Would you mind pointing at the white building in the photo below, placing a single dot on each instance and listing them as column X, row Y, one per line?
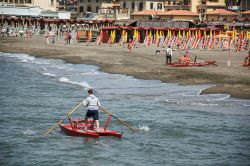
column 32, row 12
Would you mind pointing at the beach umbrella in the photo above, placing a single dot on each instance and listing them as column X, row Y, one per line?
column 126, row 37
column 156, row 34
column 134, row 35
column 199, row 33
column 113, row 37
column 89, row 35
column 146, row 33
column 183, row 34
column 101, row 35
column 138, row 36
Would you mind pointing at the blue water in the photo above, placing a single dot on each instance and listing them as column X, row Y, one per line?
column 177, row 126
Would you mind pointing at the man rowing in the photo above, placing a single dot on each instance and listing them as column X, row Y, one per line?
column 185, row 59
column 246, row 62
column 93, row 104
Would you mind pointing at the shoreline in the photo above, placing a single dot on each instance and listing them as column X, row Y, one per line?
column 142, row 63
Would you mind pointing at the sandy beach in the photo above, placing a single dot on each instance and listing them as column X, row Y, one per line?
column 144, row 63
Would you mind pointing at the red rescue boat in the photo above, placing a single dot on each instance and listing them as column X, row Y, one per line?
column 191, row 64
column 77, row 128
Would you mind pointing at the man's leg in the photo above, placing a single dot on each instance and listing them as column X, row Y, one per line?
column 167, row 59
column 86, row 123
column 97, row 125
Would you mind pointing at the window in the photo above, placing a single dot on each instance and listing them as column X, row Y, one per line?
column 11, row 1
column 81, row 1
column 89, row 1
column 124, row 4
column 81, row 9
column 97, row 1
column 16, row 1
column 151, row 5
column 97, row 8
column 140, row 6
column 159, row 6
column 89, row 9
column 1, row 0
column 133, row 6
column 27, row 1
column 52, row 2
column 21, row 1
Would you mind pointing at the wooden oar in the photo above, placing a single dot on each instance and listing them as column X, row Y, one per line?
column 130, row 127
column 63, row 119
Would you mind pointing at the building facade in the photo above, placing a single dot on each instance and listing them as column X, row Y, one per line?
column 93, row 6
column 44, row 4
column 140, row 5
column 177, row 5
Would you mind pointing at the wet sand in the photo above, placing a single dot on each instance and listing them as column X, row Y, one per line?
column 145, row 64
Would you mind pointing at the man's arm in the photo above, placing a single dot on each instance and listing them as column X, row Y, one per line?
column 98, row 102
column 85, row 102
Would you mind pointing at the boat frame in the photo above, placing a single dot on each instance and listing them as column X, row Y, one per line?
column 78, row 128
column 192, row 64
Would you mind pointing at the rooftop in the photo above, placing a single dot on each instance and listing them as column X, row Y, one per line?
column 246, row 12
column 220, row 12
column 179, row 13
column 171, row 12
column 147, row 12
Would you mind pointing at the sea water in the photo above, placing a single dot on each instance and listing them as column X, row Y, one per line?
column 177, row 126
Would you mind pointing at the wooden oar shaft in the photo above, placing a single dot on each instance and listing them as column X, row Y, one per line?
column 130, row 127
column 63, row 119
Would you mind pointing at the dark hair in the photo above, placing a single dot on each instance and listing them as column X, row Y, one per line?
column 90, row 91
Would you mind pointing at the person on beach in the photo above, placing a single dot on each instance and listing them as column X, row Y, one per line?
column 246, row 62
column 67, row 37
column 92, row 102
column 169, row 53
column 130, row 45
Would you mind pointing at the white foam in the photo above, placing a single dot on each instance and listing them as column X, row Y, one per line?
column 223, row 98
column 82, row 84
column 45, row 69
column 25, row 57
column 203, row 104
column 246, row 105
column 143, row 128
column 29, row 132
column 90, row 73
column 40, row 62
column 59, row 67
column 49, row 74
column 173, row 102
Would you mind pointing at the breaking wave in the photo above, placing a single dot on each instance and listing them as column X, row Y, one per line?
column 82, row 84
column 49, row 74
